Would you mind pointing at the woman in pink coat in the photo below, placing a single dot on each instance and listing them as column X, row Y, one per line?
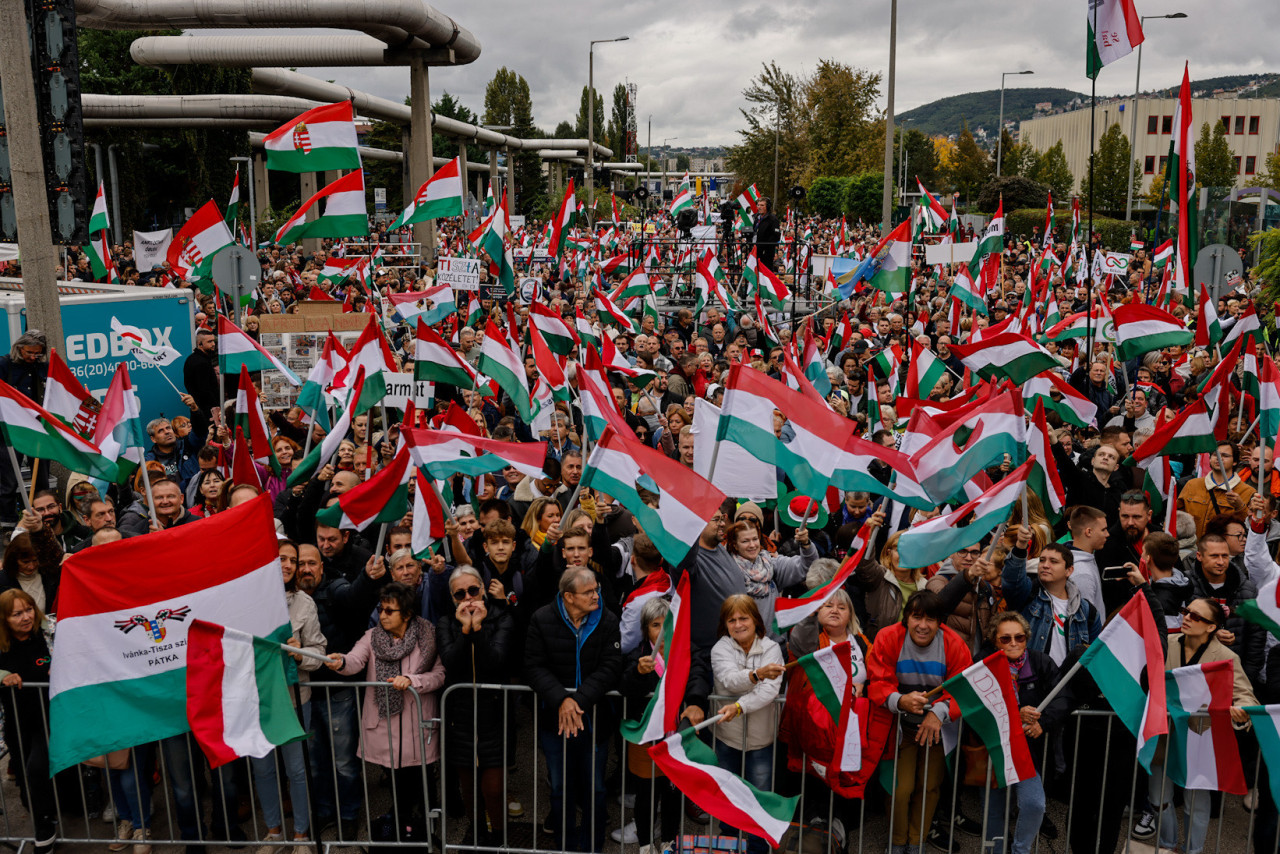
column 400, row 652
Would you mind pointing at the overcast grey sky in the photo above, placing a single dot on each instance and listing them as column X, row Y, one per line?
column 691, row 60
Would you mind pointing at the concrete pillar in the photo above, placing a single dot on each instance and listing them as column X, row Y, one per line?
column 493, row 171
column 30, row 205
column 309, row 185
column 333, row 175
column 420, row 154
column 511, row 183
column 462, row 173
column 261, row 186
column 407, row 190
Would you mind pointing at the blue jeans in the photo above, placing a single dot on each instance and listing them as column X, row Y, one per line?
column 335, row 727
column 756, row 770
column 576, row 769
column 1029, row 798
column 183, row 760
column 265, row 780
column 1194, row 802
column 131, row 787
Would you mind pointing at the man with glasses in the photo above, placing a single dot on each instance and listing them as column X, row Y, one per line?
column 573, row 658
column 1220, row 491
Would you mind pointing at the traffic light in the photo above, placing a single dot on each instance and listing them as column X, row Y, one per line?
column 56, row 68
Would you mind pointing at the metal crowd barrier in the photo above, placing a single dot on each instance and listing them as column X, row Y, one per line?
column 1078, row 799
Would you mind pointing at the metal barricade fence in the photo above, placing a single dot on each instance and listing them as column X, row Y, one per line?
column 563, row 787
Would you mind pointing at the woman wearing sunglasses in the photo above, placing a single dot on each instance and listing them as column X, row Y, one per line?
column 1035, row 675
column 476, row 645
column 1197, row 644
column 400, row 653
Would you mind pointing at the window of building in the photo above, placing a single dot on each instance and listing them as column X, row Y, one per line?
column 1153, row 124
column 1253, row 124
column 1166, row 124
column 1164, row 162
column 1239, row 124
column 1237, row 160
column 1226, row 124
column 1250, row 165
column 1149, row 165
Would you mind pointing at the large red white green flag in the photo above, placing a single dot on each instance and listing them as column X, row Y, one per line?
column 988, row 700
column 788, row 612
column 344, row 214
column 662, row 715
column 440, row 196
column 124, row 610
column 30, row 430
column 319, row 140
column 1114, row 30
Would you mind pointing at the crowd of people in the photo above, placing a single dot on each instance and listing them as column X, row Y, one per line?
column 535, row 586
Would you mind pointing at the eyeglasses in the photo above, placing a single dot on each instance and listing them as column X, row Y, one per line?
column 1195, row 618
column 466, row 593
column 970, row 552
column 1240, row 536
column 590, row 591
column 385, row 610
column 1008, row 639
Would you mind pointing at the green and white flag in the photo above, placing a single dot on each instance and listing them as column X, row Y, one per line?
column 440, row 196
column 319, row 140
column 1114, row 30
column 344, row 214
column 98, row 220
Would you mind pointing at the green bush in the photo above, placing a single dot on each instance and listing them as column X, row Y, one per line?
column 1115, row 232
column 826, row 196
column 864, row 197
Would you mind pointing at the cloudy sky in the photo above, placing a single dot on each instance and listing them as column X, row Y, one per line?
column 691, row 60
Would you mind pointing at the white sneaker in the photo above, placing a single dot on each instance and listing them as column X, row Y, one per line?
column 626, row 834
column 272, row 849
column 141, row 843
column 124, row 834
column 515, row 809
column 108, row 814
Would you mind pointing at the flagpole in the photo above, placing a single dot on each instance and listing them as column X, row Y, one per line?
column 169, row 381
column 17, row 471
column 305, row 653
column 35, row 467
column 151, row 501
column 1057, row 689
column 1088, row 242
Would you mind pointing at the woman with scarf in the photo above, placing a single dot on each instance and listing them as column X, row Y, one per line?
column 401, row 653
column 765, row 574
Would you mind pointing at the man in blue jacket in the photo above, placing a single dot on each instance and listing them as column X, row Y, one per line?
column 1061, row 619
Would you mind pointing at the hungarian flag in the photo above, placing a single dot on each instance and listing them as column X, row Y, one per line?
column 500, row 362
column 371, row 355
column 243, row 469
column 1200, row 756
column 1266, row 727
column 710, row 281
column 832, row 672
column 968, row 293
column 986, row 429
column 383, row 498
column 1268, row 398
column 1117, row 659
column 990, row 243
column 253, row 421
column 684, row 197
column 435, row 304
column 609, row 312
column 101, row 262
column 345, row 214
column 599, row 411
column 65, row 397
column 1208, row 326
column 853, row 472
column 924, row 371
column 233, row 203
column 1247, row 325
column 31, row 430
column 988, row 701
column 558, row 335
column 1044, row 478
column 1191, row 431
column 336, row 271
column 312, row 398
column 891, row 260
column 440, row 196
column 1114, row 30
column 319, row 140
column 1143, row 328
column 932, row 540
column 124, row 611
column 746, row 418
column 118, row 431
column 1070, row 405
column 328, row 448
column 789, row 612
column 760, row 279
column 98, row 217
column 563, row 223
column 447, row 452
column 238, row 699
column 550, row 367
column 621, row 466
column 1265, row 609
column 493, row 238
column 237, row 350
column 747, row 201
column 1181, row 181
column 434, row 360
column 1006, row 355
column 662, row 715
column 198, row 241
column 655, row 585
column 429, row 516
column 935, row 214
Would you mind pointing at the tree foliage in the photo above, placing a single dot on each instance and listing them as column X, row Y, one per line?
column 972, row 167
column 826, row 196
column 864, row 197
column 598, row 118
column 922, row 160
column 774, row 104
column 1051, row 169
column 507, row 102
column 1215, row 164
column 618, row 123
column 1112, row 165
column 380, row 173
column 1270, row 174
column 839, row 127
column 446, row 146
column 1016, row 191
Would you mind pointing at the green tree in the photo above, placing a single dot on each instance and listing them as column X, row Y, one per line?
column 597, row 119
column 922, row 160
column 826, row 196
column 972, row 167
column 1051, row 169
column 773, row 98
column 1018, row 158
column 618, row 123
column 1016, row 192
column 1155, row 195
column 839, row 120
column 1215, row 164
column 565, row 130
column 682, row 162
column 507, row 102
column 380, row 173
column 1270, row 175
column 863, row 198
column 1112, row 165
column 447, row 146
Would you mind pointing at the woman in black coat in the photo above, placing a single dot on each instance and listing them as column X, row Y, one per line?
column 24, row 658
column 475, row 643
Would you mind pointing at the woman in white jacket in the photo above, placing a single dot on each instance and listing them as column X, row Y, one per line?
column 748, row 667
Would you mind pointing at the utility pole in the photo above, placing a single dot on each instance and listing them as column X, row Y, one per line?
column 31, row 206
column 591, row 125
column 886, row 203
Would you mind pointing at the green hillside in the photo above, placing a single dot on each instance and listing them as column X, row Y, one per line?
column 981, row 109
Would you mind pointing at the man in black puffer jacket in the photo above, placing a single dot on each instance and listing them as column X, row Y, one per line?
column 573, row 657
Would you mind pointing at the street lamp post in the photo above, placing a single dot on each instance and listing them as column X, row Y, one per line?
column 663, row 188
column 1133, row 124
column 591, row 123
column 886, row 199
column 1000, row 126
